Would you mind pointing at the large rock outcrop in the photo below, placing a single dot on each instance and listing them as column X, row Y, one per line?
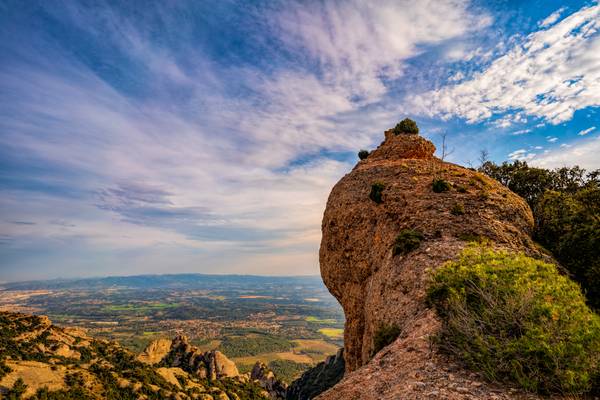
column 179, row 353
column 376, row 288
column 155, row 351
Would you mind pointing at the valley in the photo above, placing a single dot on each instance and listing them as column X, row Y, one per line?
column 288, row 323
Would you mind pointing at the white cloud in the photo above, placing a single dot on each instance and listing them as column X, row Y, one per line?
column 552, row 139
column 586, row 131
column 552, row 18
column 357, row 43
column 584, row 154
column 550, row 75
column 521, row 155
column 521, row 132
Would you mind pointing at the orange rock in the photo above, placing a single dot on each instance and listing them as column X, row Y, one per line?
column 375, row 287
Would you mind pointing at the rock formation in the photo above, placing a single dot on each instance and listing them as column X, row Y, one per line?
column 155, row 351
column 179, row 353
column 70, row 364
column 268, row 381
column 377, row 288
column 318, row 379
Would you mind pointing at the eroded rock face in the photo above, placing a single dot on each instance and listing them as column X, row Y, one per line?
column 220, row 366
column 318, row 379
column 268, row 381
column 375, row 287
column 155, row 351
column 179, row 353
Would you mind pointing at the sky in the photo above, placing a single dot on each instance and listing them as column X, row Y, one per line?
column 205, row 136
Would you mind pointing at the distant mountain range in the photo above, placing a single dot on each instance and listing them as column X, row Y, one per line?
column 170, row 281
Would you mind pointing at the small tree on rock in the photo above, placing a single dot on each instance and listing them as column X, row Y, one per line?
column 407, row 127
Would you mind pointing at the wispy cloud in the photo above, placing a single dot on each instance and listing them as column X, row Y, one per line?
column 358, row 45
column 521, row 155
column 552, row 18
column 552, row 73
column 586, row 131
column 521, row 132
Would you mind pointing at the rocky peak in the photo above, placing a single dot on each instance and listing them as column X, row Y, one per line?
column 267, row 380
column 401, row 146
column 219, row 366
column 378, row 287
column 155, row 351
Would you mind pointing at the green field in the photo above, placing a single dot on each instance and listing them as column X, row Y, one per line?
column 140, row 307
column 333, row 333
column 326, row 321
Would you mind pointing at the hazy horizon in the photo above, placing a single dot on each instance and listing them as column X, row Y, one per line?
column 99, row 277
column 201, row 137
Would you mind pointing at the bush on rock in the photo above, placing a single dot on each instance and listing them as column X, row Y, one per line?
column 515, row 318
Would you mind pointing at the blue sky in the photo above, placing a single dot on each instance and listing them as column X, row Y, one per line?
column 174, row 136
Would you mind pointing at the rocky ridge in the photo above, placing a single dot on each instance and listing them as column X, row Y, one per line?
column 67, row 362
column 378, row 288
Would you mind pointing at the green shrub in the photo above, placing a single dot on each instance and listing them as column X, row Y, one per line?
column 363, row 154
column 17, row 391
column 457, row 209
column 461, row 189
column 407, row 241
column 4, row 369
column 515, row 318
column 376, row 192
column 440, row 185
column 406, row 126
column 566, row 209
column 385, row 335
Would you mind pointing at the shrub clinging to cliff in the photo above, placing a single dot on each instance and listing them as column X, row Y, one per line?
column 566, row 209
column 406, row 126
column 457, row 209
column 363, row 154
column 517, row 319
column 440, row 185
column 407, row 241
column 377, row 192
column 385, row 335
